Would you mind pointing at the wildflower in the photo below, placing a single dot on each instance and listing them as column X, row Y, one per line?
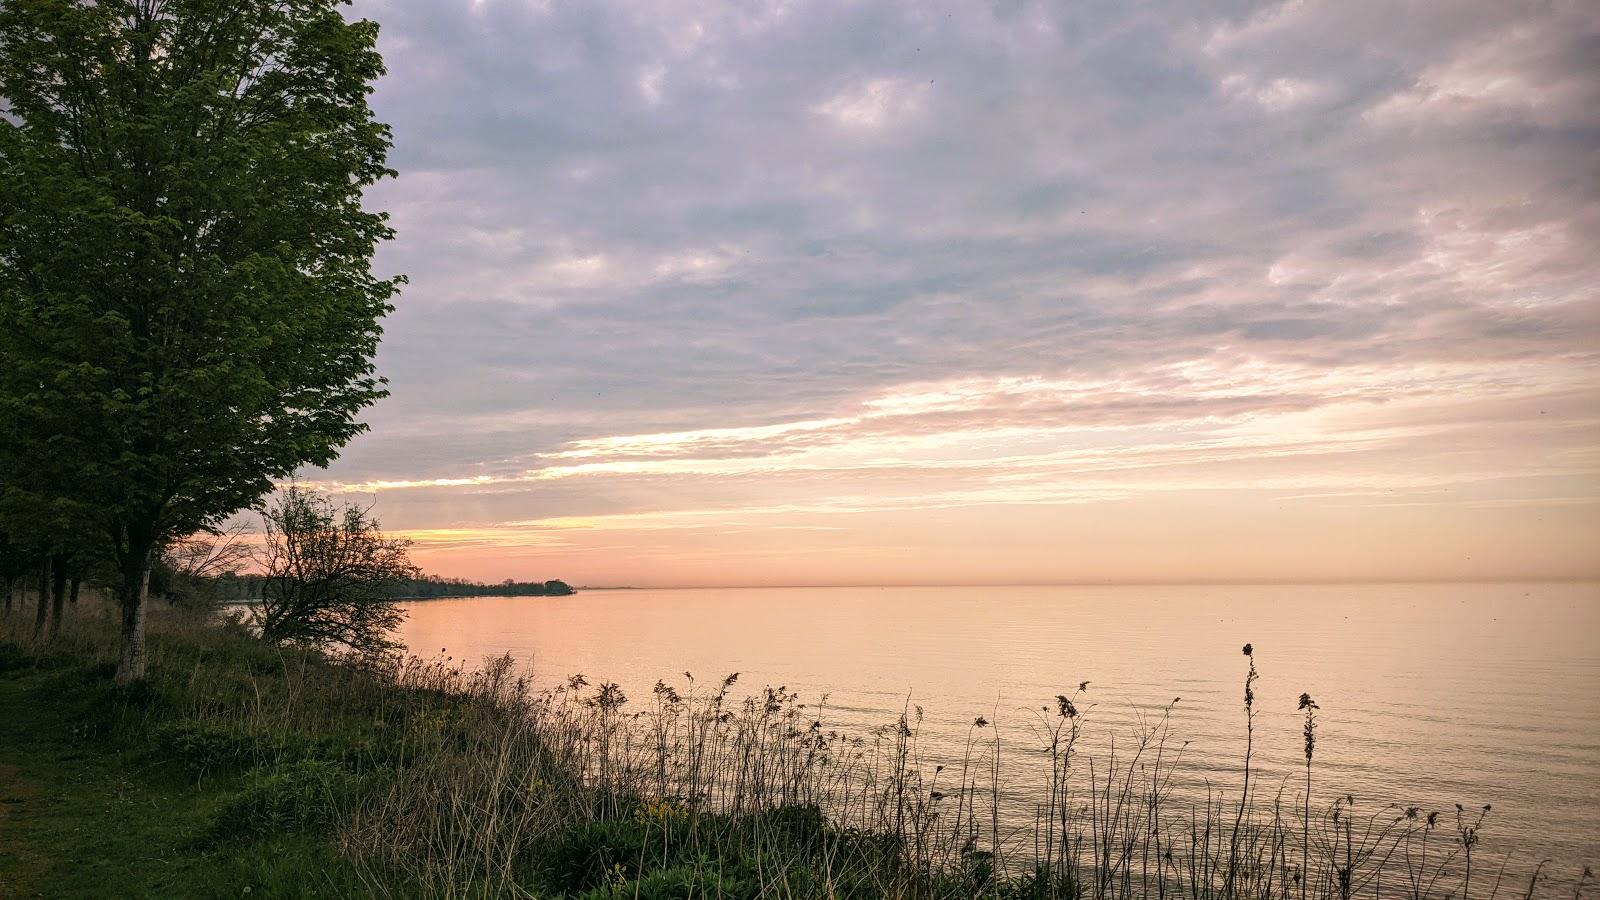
column 980, row 721
column 1065, row 707
column 1083, row 686
column 1249, row 650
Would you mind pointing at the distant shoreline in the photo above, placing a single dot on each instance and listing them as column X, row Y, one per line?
column 1354, row 582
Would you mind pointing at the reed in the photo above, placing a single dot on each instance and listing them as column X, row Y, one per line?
column 455, row 780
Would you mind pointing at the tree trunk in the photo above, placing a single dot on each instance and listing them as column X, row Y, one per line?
column 41, row 610
column 72, row 592
column 58, row 596
column 135, row 588
column 8, row 585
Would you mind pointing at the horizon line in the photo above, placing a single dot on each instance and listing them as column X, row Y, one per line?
column 1266, row 582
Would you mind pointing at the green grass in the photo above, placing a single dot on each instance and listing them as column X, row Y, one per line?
column 87, row 814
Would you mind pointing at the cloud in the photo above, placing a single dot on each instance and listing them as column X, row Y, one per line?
column 876, row 103
column 833, row 256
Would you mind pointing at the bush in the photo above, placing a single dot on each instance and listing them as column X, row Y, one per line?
column 705, row 878
column 307, row 796
column 666, row 850
column 203, row 747
column 799, row 830
column 597, row 854
column 206, row 747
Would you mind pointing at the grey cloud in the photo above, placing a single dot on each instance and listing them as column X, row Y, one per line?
column 622, row 218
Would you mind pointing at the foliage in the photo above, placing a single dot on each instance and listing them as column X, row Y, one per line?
column 187, row 310
column 328, row 575
column 306, row 796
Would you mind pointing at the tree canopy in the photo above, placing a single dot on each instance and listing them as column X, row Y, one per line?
column 187, row 305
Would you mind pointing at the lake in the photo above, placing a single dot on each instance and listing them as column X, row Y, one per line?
column 1430, row 694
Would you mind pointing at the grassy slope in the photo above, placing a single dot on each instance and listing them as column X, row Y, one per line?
column 232, row 770
column 172, row 790
column 85, row 815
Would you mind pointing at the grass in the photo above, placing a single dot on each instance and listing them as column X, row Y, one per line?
column 88, row 808
column 243, row 769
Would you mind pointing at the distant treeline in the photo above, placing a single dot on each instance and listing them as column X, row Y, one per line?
column 432, row 586
column 243, row 587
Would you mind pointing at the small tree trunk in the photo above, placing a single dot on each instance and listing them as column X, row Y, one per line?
column 41, row 610
column 72, row 592
column 135, row 589
column 9, row 585
column 58, row 596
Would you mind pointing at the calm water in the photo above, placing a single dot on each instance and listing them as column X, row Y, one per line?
column 1431, row 694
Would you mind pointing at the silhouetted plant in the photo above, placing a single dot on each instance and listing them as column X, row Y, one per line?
column 1249, row 747
column 1310, row 708
column 327, row 569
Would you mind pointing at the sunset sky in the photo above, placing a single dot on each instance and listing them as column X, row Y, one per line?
column 990, row 292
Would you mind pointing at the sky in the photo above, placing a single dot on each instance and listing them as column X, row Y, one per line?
column 744, row 293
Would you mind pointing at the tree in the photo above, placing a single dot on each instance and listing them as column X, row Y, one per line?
column 15, row 561
column 189, row 570
column 187, row 307
column 328, row 575
column 48, row 530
